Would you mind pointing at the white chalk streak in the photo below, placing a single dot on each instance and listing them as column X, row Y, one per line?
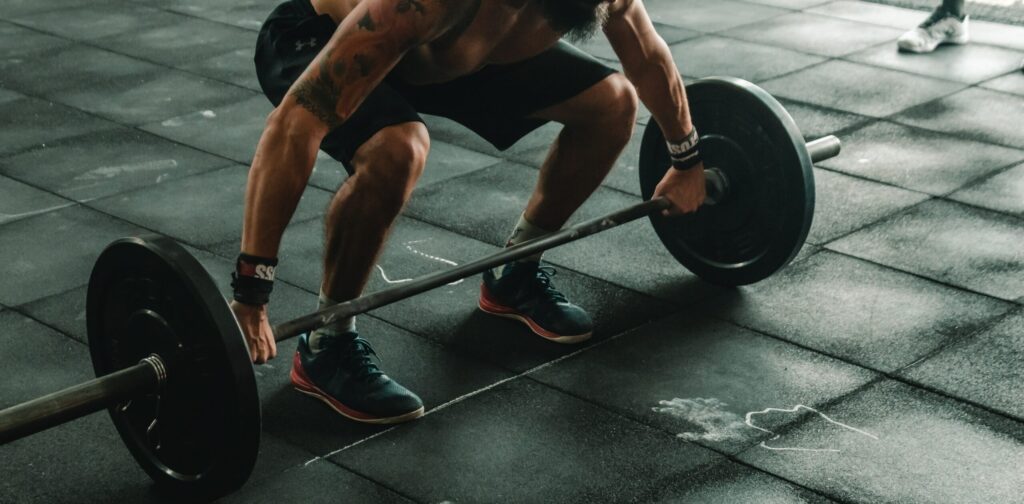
column 390, row 281
column 748, row 419
column 409, row 246
column 107, row 172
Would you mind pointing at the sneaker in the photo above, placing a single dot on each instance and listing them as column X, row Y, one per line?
column 344, row 376
column 940, row 28
column 524, row 292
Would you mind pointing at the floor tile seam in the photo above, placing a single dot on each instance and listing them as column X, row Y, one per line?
column 895, row 120
column 732, row 457
column 829, row 246
column 20, row 310
column 376, row 482
column 907, row 209
column 201, row 18
column 923, row 11
column 58, row 8
column 762, row 21
column 970, row 84
column 135, row 128
column 883, row 218
column 44, row 145
column 87, row 203
column 891, row 120
column 959, row 340
column 90, row 44
column 722, row 34
column 984, row 16
column 470, row 395
column 793, row 9
column 882, row 374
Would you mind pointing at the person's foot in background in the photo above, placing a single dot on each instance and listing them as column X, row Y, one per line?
column 948, row 24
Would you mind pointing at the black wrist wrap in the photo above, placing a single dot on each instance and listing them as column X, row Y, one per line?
column 685, row 154
column 253, row 279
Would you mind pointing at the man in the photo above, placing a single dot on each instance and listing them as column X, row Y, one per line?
column 350, row 76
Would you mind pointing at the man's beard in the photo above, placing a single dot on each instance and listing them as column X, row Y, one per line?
column 577, row 19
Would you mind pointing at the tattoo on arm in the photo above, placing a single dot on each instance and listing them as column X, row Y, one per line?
column 406, row 5
column 320, row 94
column 365, row 64
column 378, row 38
column 367, row 23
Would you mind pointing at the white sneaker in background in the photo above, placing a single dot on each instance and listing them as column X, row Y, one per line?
column 940, row 28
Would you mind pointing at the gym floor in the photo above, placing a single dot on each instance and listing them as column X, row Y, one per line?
column 885, row 365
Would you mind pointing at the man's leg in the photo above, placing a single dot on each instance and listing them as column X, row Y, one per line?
column 360, row 216
column 954, row 7
column 598, row 123
column 333, row 363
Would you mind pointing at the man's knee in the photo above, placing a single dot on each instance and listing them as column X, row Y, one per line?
column 391, row 162
column 622, row 97
column 618, row 107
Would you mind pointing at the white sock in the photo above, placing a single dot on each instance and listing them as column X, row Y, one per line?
column 333, row 329
column 524, row 231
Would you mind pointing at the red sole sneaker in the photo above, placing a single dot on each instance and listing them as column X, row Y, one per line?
column 303, row 384
column 489, row 305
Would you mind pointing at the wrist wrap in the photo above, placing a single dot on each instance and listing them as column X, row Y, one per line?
column 685, row 154
column 253, row 279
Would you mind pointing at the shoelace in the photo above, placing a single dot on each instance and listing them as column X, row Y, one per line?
column 359, row 358
column 544, row 276
column 936, row 16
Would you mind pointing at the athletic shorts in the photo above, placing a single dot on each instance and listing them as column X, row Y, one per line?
column 494, row 102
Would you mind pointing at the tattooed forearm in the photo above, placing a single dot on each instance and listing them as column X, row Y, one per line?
column 407, row 5
column 367, row 23
column 319, row 94
column 365, row 64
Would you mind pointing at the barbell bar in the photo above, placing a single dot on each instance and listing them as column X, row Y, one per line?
column 170, row 355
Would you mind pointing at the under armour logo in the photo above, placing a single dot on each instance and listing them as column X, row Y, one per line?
column 300, row 44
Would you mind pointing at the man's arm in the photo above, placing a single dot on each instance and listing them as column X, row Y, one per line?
column 648, row 64
column 368, row 43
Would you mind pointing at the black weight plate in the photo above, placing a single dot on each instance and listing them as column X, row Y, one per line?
column 200, row 435
column 763, row 221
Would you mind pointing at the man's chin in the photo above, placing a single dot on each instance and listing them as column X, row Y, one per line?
column 578, row 20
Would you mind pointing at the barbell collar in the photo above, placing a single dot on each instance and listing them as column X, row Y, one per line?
column 80, row 400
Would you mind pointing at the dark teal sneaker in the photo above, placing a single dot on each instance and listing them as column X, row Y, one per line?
column 344, row 376
column 524, row 292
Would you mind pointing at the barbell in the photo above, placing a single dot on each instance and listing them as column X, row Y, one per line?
column 174, row 370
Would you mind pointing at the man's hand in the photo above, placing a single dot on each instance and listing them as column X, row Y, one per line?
column 256, row 327
column 685, row 189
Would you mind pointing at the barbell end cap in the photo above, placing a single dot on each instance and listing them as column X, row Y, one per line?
column 826, row 147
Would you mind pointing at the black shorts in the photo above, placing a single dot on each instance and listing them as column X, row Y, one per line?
column 494, row 102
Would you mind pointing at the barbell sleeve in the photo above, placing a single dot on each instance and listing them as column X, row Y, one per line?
column 80, row 400
column 824, row 148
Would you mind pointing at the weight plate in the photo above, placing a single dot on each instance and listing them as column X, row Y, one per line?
column 763, row 220
column 200, row 434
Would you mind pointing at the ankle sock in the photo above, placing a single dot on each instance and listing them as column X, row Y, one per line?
column 954, row 7
column 335, row 328
column 524, row 231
